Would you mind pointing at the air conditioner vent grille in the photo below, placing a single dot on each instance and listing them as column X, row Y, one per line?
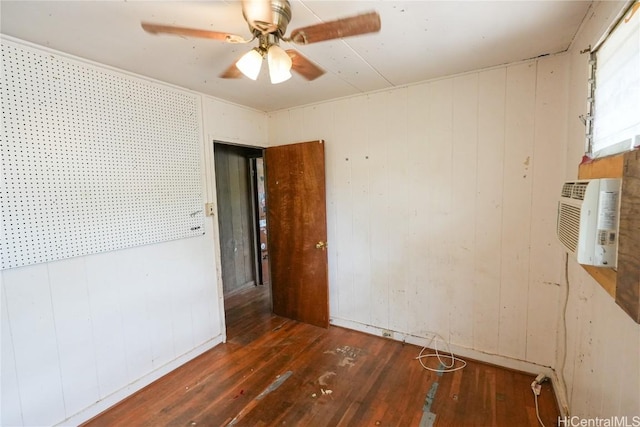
column 579, row 188
column 569, row 225
column 588, row 220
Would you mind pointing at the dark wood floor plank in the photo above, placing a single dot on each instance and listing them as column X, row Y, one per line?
column 338, row 377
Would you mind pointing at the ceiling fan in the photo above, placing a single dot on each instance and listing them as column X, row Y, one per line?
column 268, row 21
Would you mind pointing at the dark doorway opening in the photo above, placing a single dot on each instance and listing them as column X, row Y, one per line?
column 242, row 221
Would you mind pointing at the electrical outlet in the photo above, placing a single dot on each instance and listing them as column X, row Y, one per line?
column 209, row 209
column 387, row 333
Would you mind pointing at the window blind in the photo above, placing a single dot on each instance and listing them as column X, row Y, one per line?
column 616, row 125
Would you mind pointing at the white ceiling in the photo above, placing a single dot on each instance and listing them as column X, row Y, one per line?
column 419, row 40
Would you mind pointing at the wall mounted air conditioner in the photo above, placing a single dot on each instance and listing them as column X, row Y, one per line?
column 588, row 216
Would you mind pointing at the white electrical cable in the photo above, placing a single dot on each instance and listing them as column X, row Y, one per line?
column 447, row 367
column 535, row 397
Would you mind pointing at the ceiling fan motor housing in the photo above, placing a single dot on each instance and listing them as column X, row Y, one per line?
column 280, row 18
column 281, row 15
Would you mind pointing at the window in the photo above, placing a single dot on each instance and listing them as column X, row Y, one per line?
column 616, row 92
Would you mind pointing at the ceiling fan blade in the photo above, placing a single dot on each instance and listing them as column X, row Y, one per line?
column 303, row 66
column 259, row 15
column 231, row 73
column 192, row 32
column 345, row 27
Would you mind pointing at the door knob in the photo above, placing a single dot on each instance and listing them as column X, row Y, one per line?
column 321, row 245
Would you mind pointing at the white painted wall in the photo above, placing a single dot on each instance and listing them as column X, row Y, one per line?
column 602, row 368
column 441, row 206
column 234, row 124
column 78, row 335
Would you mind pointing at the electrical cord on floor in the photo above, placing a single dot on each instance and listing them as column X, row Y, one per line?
column 537, row 410
column 536, row 387
column 448, row 367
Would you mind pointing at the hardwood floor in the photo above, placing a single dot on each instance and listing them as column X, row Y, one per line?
column 275, row 371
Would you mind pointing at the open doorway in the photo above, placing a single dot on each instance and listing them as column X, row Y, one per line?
column 294, row 283
column 244, row 252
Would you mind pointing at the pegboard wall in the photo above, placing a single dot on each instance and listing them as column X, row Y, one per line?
column 93, row 160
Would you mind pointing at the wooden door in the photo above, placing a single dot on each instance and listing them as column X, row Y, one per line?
column 296, row 217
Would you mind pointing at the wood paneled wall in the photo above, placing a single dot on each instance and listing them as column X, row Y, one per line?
column 442, row 202
column 76, row 331
column 235, row 220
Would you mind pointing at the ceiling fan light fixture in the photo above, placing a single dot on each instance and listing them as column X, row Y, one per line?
column 279, row 64
column 250, row 64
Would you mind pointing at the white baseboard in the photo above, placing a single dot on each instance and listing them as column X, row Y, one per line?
column 481, row 356
column 107, row 402
column 494, row 359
